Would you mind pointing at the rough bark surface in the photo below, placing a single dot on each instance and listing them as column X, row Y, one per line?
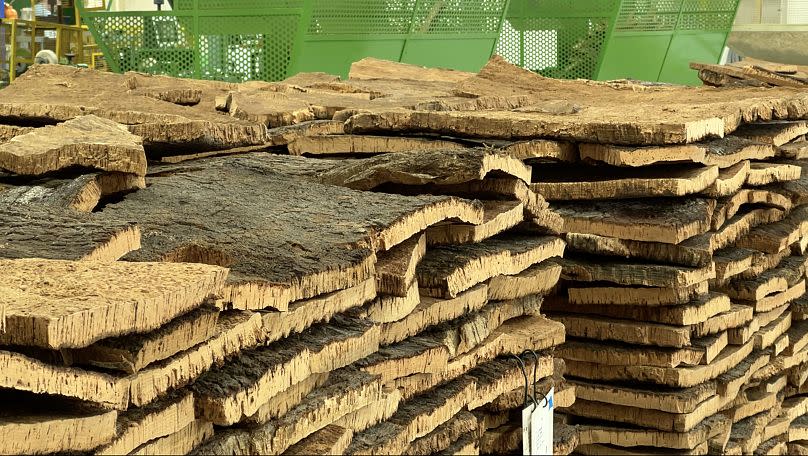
column 61, row 304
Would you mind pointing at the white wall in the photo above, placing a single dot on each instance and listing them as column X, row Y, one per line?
column 772, row 12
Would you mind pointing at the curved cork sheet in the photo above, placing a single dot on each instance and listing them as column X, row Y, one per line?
column 565, row 183
column 63, row 304
column 211, row 213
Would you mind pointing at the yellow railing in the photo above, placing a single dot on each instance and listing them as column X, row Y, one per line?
column 27, row 37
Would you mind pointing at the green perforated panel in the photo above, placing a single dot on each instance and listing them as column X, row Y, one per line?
column 648, row 15
column 458, row 16
column 604, row 39
column 238, row 40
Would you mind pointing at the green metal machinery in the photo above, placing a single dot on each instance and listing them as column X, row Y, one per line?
column 238, row 40
column 651, row 40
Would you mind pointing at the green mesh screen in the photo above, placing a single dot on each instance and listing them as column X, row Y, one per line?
column 458, row 16
column 557, row 38
column 361, row 17
column 227, row 48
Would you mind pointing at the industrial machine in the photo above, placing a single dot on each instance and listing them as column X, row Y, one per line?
column 238, row 40
column 45, row 31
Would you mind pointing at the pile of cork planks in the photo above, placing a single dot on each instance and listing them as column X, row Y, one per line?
column 257, row 303
column 372, row 296
column 753, row 73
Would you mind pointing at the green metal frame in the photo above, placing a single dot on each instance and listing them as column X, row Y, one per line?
column 652, row 40
column 292, row 36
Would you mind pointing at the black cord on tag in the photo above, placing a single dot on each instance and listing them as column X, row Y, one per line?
column 536, row 392
column 527, row 381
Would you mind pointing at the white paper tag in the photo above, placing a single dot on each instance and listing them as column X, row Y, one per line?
column 527, row 422
column 541, row 426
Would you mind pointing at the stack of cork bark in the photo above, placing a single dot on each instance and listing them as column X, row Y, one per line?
column 753, row 73
column 255, row 303
column 180, row 279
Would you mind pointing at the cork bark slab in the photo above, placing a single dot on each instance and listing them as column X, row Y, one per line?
column 182, row 225
column 761, row 173
column 798, row 336
column 132, row 353
column 670, row 109
column 698, row 310
column 62, row 304
column 490, row 188
column 138, row 426
column 279, row 404
column 747, row 434
column 671, row 400
column 449, row 270
column 563, row 182
column 372, row 68
column 373, row 413
column 442, row 437
column 735, row 229
column 676, row 377
column 346, row 391
column 470, row 331
column 331, row 439
column 302, row 314
column 723, row 152
column 775, row 133
column 628, row 331
column 683, row 254
column 414, row 419
column 235, row 331
column 541, row 149
column 618, row 354
column 738, row 315
column 229, row 393
column 647, row 418
column 729, row 180
column 433, row 311
column 604, row 450
column 180, row 442
column 582, row 293
column 34, row 231
column 535, row 280
column 727, row 208
column 512, row 338
column 611, row 434
column 766, row 262
column 438, row 167
column 796, row 190
column 625, row 273
column 412, row 356
column 388, row 309
column 771, row 333
column 22, row 373
column 670, row 221
column 82, row 193
column 10, row 131
column 283, row 136
column 790, row 271
column 797, row 150
column 86, row 141
column 395, row 268
column 498, row 216
column 775, row 237
column 778, row 299
column 38, row 424
column 365, row 144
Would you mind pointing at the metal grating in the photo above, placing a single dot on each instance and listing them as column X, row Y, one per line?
column 567, row 48
column 233, row 5
column 648, row 15
column 250, row 54
column 716, row 15
column 458, row 16
column 361, row 17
